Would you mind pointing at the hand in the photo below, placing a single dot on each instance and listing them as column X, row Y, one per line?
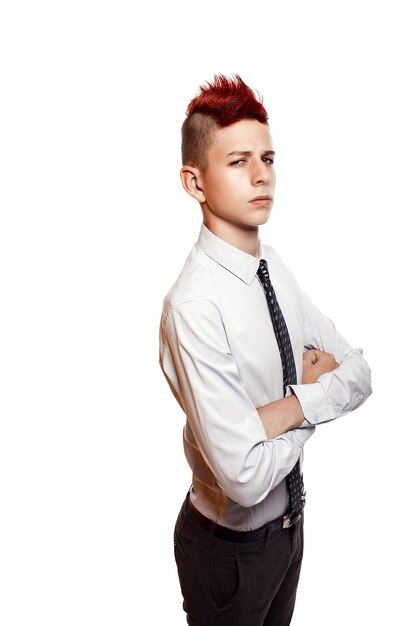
column 316, row 363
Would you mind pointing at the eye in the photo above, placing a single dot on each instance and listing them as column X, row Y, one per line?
column 268, row 160
column 238, row 162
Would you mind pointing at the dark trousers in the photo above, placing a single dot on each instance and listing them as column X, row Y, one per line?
column 225, row 583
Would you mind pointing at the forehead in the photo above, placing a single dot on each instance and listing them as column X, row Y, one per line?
column 248, row 135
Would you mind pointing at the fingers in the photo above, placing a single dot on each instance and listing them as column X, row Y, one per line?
column 316, row 356
column 311, row 356
column 315, row 363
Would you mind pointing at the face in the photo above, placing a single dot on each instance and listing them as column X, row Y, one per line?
column 239, row 182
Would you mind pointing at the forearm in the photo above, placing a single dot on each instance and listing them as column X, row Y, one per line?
column 281, row 415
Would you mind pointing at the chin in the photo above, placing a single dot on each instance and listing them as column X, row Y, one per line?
column 261, row 219
column 254, row 223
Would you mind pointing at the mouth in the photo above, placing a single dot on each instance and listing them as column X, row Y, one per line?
column 261, row 200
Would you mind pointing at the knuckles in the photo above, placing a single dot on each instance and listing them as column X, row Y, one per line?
column 323, row 361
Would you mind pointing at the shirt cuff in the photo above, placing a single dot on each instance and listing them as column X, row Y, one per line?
column 313, row 401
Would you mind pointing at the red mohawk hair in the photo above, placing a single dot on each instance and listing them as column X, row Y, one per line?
column 228, row 100
column 220, row 103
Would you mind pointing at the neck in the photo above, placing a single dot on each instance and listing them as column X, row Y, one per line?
column 244, row 238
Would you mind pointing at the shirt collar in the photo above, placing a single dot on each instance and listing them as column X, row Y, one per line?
column 241, row 264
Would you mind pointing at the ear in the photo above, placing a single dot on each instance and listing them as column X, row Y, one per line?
column 191, row 181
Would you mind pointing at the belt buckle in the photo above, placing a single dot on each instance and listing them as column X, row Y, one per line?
column 290, row 519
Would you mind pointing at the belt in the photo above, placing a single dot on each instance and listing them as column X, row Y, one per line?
column 227, row 534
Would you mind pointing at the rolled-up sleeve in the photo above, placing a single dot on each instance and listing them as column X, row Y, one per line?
column 338, row 392
column 224, row 421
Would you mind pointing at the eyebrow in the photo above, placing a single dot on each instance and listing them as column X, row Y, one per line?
column 249, row 152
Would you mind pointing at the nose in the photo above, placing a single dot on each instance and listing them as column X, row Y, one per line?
column 261, row 173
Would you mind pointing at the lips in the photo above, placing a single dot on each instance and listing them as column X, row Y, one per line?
column 262, row 201
column 261, row 198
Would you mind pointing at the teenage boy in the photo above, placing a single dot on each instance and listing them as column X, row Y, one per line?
column 254, row 365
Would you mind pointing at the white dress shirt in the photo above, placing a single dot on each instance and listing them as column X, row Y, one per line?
column 219, row 354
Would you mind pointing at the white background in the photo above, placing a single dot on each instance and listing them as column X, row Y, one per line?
column 95, row 227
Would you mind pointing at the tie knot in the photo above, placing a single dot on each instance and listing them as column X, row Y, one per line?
column 263, row 271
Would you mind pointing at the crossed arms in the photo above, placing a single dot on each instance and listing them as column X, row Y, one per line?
column 282, row 415
column 250, row 450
